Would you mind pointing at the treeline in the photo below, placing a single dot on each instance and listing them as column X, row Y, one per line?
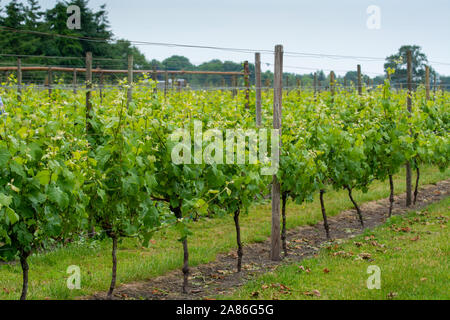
column 30, row 16
column 26, row 27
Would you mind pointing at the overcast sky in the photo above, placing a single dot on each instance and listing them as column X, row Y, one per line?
column 319, row 26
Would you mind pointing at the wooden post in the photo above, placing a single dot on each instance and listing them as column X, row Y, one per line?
column 299, row 84
column 222, row 84
column 359, row 80
column 427, row 82
column 234, row 85
column 315, row 84
column 166, row 83
column 247, row 85
column 275, row 249
column 332, row 83
column 74, row 80
column 19, row 80
column 258, row 88
column 155, row 78
column 50, row 80
column 267, row 84
column 434, row 85
column 409, row 106
column 101, row 87
column 130, row 80
column 88, row 90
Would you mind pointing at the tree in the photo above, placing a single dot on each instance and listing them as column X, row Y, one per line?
column 398, row 62
column 177, row 63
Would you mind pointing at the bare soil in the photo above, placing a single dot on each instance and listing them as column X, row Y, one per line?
column 220, row 276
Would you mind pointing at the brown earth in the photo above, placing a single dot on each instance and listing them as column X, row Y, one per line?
column 219, row 277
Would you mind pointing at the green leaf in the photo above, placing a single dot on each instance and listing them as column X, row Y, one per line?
column 12, row 215
column 43, row 177
column 4, row 156
column 5, row 200
column 56, row 195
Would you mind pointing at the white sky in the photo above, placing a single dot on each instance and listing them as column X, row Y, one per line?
column 320, row 26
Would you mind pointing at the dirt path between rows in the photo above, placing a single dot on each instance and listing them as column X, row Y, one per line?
column 219, row 277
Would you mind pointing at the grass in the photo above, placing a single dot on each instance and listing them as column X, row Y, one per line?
column 412, row 253
column 48, row 271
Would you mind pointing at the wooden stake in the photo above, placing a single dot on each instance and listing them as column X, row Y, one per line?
column 88, row 90
column 427, row 82
column 234, row 85
column 247, row 85
column 155, row 78
column 130, row 80
column 166, row 83
column 315, row 84
column 409, row 107
column 101, row 87
column 434, row 85
column 258, row 88
column 332, row 89
column 276, row 186
column 74, row 81
column 266, row 84
column 50, row 80
column 359, row 79
column 19, row 80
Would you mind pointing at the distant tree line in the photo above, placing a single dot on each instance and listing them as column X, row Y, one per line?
column 113, row 54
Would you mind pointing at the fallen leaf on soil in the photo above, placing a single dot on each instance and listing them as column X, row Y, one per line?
column 376, row 244
column 312, row 293
column 358, row 244
column 326, row 270
column 365, row 255
column 255, row 294
column 423, row 279
column 307, row 270
column 283, row 287
column 392, row 295
column 415, row 238
column 225, row 272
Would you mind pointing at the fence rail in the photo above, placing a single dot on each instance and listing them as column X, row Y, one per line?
column 106, row 71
